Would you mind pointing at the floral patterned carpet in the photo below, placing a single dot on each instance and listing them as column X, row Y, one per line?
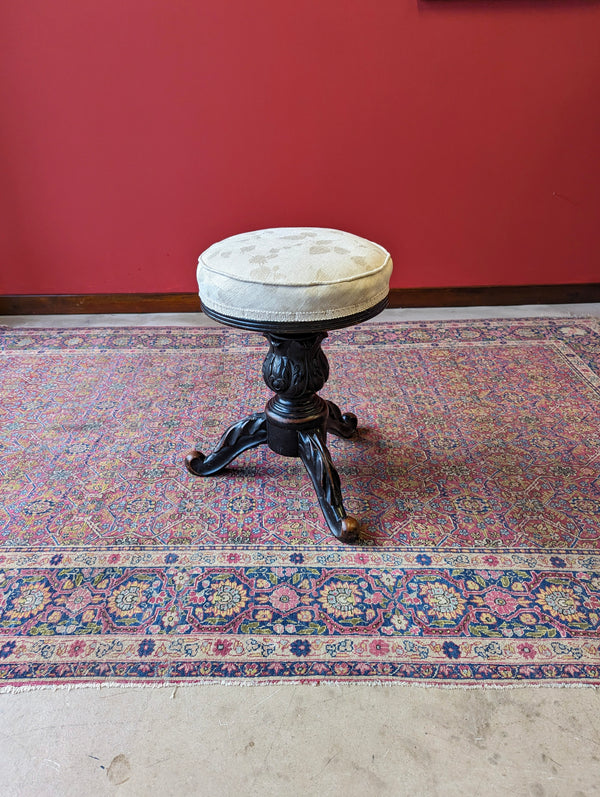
column 475, row 473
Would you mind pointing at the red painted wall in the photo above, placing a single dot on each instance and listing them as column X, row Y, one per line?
column 464, row 135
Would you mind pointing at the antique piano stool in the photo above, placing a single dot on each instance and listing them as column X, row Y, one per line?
column 293, row 284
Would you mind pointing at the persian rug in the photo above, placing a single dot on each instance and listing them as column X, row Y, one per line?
column 475, row 473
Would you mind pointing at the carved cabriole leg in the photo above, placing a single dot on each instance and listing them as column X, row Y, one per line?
column 248, row 433
column 317, row 461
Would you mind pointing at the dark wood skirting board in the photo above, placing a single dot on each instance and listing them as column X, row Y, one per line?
column 494, row 295
column 64, row 304
column 399, row 297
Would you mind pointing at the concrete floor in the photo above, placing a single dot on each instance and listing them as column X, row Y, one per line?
column 403, row 314
column 299, row 739
column 356, row 741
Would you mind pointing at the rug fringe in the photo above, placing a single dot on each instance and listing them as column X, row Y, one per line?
column 484, row 686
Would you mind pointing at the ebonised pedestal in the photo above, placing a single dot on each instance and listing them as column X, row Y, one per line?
column 296, row 420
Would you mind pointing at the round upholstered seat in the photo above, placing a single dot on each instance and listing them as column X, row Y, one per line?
column 289, row 277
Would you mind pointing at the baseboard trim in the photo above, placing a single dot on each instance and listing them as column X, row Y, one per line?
column 93, row 303
column 492, row 295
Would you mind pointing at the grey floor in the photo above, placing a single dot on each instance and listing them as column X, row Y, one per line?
column 408, row 314
column 301, row 740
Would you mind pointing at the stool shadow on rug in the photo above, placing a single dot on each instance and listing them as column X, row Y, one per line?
column 453, row 501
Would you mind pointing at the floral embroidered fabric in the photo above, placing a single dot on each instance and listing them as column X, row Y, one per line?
column 293, row 274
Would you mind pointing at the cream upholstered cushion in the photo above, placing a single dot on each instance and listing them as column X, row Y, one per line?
column 293, row 274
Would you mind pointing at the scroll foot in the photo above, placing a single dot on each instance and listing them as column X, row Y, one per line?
column 341, row 424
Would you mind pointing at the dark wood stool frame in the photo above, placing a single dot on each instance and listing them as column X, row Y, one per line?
column 296, row 420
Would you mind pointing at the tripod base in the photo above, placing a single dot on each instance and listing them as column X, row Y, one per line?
column 294, row 424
